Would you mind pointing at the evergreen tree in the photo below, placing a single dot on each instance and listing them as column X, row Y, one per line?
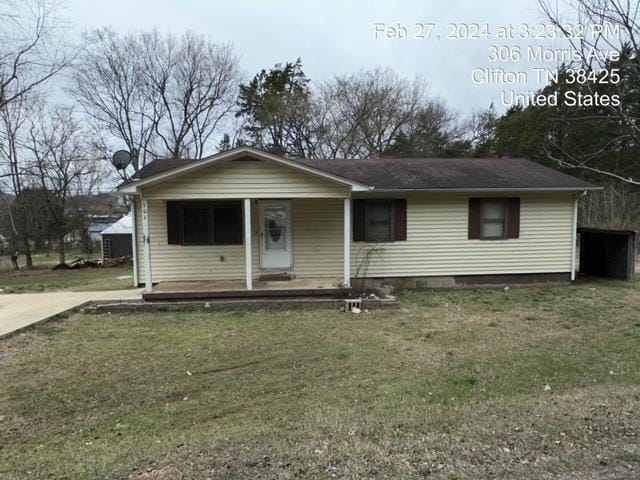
column 276, row 107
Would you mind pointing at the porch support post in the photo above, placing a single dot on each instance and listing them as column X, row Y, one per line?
column 347, row 242
column 134, row 239
column 574, row 235
column 148, row 279
column 247, row 242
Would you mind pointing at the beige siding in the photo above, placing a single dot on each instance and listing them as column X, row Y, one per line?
column 317, row 252
column 437, row 241
column 317, row 237
column 246, row 179
column 241, row 179
column 436, row 245
column 195, row 262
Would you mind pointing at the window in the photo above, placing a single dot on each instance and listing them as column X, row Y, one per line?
column 379, row 220
column 493, row 219
column 204, row 223
column 227, row 224
column 195, row 224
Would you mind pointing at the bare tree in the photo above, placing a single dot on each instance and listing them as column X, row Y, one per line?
column 32, row 51
column 616, row 207
column 362, row 115
column 480, row 131
column 191, row 83
column 31, row 47
column 108, row 82
column 14, row 180
column 606, row 25
column 87, row 200
column 609, row 26
column 60, row 163
column 434, row 131
column 159, row 95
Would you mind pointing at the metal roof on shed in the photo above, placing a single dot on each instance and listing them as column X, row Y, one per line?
column 122, row 226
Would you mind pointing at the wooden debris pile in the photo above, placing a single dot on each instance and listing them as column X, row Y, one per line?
column 82, row 262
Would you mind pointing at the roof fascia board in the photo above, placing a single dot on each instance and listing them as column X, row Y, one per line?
column 130, row 189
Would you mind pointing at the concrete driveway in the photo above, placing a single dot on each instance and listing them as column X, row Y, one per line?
column 19, row 310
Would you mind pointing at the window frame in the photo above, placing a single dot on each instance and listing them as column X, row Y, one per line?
column 392, row 219
column 505, row 219
column 211, row 235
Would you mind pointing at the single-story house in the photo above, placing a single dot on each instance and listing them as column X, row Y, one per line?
column 117, row 239
column 244, row 213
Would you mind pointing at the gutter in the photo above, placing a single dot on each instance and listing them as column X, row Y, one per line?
column 488, row 189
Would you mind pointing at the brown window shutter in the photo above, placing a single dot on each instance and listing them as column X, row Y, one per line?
column 401, row 220
column 358, row 221
column 513, row 220
column 173, row 223
column 474, row 218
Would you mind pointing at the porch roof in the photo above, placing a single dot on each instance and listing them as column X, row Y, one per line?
column 164, row 169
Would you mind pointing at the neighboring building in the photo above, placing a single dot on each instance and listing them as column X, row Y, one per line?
column 96, row 229
column 117, row 239
column 92, row 214
column 243, row 212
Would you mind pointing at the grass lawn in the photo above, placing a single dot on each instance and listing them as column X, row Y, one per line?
column 449, row 386
column 83, row 279
column 43, row 279
column 42, row 260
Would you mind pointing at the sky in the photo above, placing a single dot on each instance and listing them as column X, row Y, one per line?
column 335, row 37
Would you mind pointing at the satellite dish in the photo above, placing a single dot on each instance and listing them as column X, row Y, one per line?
column 121, row 159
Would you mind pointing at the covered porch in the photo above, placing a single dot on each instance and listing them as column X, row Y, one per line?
column 285, row 247
column 242, row 216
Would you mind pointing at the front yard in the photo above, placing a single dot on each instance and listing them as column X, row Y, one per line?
column 466, row 384
column 43, row 279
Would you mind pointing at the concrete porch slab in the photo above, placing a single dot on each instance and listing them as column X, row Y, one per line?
column 299, row 287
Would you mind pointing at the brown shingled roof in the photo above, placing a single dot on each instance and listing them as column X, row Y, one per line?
column 425, row 173
column 160, row 165
column 449, row 173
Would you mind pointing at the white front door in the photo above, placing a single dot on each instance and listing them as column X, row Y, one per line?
column 275, row 234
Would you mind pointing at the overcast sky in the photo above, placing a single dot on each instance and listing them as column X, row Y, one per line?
column 331, row 37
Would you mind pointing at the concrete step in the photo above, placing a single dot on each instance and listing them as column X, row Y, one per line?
column 276, row 276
